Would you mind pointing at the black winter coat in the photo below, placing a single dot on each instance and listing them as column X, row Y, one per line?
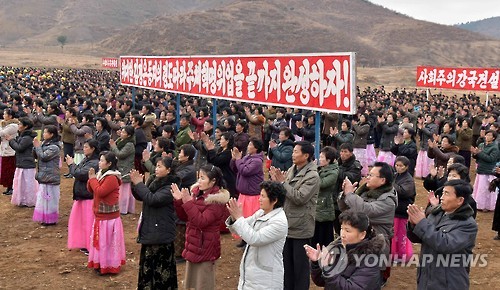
column 141, row 142
column 103, row 140
column 405, row 189
column 157, row 226
column 81, row 174
column 409, row 150
column 23, row 145
column 387, row 131
column 187, row 174
column 351, row 168
column 222, row 159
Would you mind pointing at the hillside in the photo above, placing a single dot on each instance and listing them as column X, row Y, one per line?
column 489, row 27
column 380, row 37
column 39, row 22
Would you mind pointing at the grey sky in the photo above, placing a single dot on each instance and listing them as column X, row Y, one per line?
column 444, row 11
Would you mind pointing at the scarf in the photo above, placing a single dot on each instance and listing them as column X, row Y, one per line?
column 373, row 193
column 120, row 143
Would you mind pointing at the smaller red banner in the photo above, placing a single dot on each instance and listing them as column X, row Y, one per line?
column 110, row 62
column 472, row 79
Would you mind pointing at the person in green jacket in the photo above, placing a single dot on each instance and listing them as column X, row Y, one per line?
column 487, row 155
column 325, row 210
column 183, row 134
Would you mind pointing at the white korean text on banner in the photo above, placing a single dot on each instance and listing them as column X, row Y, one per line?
column 323, row 82
column 479, row 79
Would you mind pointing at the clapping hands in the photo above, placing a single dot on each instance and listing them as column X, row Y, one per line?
column 236, row 153
column 235, row 209
column 92, row 173
column 180, row 194
column 136, row 177
column 277, row 174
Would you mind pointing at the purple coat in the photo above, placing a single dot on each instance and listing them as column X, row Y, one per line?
column 249, row 173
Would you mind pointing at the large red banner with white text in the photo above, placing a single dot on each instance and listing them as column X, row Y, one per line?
column 110, row 62
column 324, row 82
column 473, row 79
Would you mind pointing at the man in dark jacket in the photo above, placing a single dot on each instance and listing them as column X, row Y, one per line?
column 348, row 167
column 447, row 236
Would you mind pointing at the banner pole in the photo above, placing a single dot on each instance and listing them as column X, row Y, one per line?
column 317, row 127
column 214, row 115
column 133, row 97
column 487, row 100
column 178, row 111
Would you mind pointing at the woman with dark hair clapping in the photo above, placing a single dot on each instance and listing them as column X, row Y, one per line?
column 107, row 249
column 157, row 269
column 265, row 233
column 203, row 210
column 47, row 200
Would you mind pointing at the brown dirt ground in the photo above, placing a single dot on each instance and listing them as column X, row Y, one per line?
column 36, row 257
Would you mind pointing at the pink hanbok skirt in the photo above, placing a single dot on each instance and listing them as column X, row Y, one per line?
column 24, row 187
column 371, row 154
column 401, row 246
column 423, row 164
column 485, row 199
column 47, row 204
column 387, row 157
column 362, row 157
column 80, row 223
column 126, row 199
column 107, row 249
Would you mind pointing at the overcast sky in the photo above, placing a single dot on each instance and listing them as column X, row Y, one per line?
column 444, row 11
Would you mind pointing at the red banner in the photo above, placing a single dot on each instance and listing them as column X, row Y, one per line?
column 472, row 79
column 323, row 82
column 109, row 62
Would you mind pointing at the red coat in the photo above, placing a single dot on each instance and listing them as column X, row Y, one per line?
column 203, row 215
column 105, row 188
column 198, row 123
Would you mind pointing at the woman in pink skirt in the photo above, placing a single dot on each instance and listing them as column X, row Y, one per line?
column 401, row 247
column 361, row 130
column 24, row 186
column 487, row 155
column 81, row 217
column 425, row 129
column 249, row 175
column 107, row 248
column 47, row 198
column 388, row 128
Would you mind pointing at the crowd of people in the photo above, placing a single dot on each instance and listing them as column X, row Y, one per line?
column 252, row 171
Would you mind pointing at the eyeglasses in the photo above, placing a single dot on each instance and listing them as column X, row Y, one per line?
column 371, row 175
